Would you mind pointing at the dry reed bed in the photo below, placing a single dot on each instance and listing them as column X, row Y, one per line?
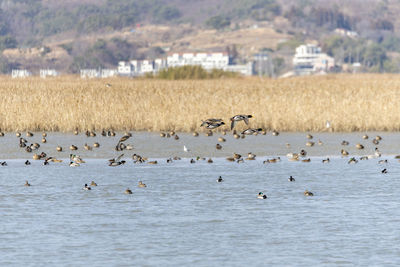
column 351, row 103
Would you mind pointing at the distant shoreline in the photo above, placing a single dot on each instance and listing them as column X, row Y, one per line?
column 364, row 102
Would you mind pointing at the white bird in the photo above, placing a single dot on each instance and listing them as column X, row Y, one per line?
column 185, row 149
column 328, row 124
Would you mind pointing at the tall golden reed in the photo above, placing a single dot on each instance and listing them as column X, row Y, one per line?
column 350, row 103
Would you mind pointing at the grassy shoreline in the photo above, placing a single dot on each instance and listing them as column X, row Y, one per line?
column 365, row 102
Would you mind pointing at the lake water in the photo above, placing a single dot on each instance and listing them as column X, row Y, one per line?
column 184, row 217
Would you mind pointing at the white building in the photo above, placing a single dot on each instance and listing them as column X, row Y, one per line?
column 48, row 72
column 124, row 68
column 345, row 32
column 207, row 61
column 140, row 67
column 90, row 73
column 309, row 59
column 107, row 73
column 20, row 73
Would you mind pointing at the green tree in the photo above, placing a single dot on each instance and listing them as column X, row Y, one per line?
column 218, row 22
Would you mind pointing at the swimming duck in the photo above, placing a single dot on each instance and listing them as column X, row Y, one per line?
column 274, row 160
column 230, row 159
column 251, row 155
column 344, row 152
column 377, row 153
column 375, row 142
column 74, row 164
column 192, row 161
column 327, row 160
column 384, row 171
column 176, row 137
column 364, row 158
column 218, row 146
column 129, row 147
column 120, row 147
column 44, row 140
column 308, row 193
column 76, row 132
column 210, row 160
column 18, row 134
column 303, row 153
column 220, row 180
column 103, row 133
column 236, row 136
column 141, row 184
column 306, row 160
column 359, row 146
column 162, row 134
column 365, row 136
column 27, row 184
column 320, row 143
column 29, row 134
column 87, row 188
column 378, row 138
column 92, row 134
column 309, row 143
column 169, row 160
column 59, row 149
column 221, row 139
column 53, row 159
column 209, row 133
column 275, row 133
column 128, row 191
column 261, row 195
column 27, row 162
column 93, row 183
column 87, row 147
column 152, row 162
column 73, row 147
column 291, row 179
column 309, row 136
column 195, row 134
column 76, row 158
column 36, row 156
column 345, row 143
column 4, row 163
column 241, row 160
column 238, row 118
column 236, row 156
column 352, row 160
column 96, row 145
column 383, row 161
column 35, row 146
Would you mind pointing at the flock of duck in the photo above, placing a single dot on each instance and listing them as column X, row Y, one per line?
column 209, row 124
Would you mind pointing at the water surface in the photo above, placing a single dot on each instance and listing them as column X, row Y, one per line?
column 185, row 217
